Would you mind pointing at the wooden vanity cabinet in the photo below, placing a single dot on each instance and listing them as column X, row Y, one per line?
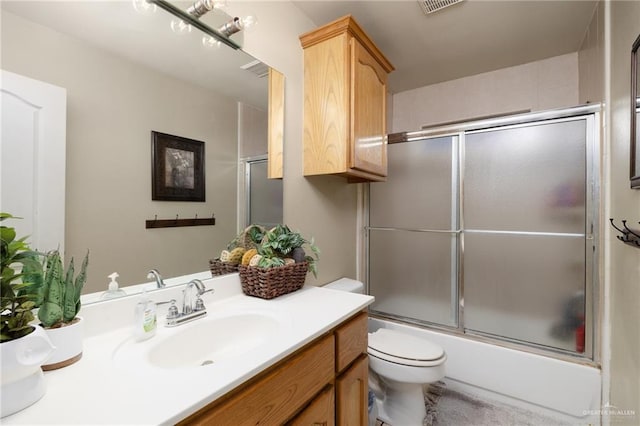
column 323, row 383
column 345, row 96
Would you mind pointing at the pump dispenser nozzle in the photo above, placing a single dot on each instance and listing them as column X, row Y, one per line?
column 113, row 290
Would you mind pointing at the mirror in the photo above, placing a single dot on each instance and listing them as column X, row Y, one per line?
column 635, row 112
column 128, row 73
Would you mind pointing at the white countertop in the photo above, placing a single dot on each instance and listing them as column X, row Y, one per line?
column 97, row 390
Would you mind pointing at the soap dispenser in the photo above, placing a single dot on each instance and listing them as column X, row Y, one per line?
column 146, row 320
column 113, row 290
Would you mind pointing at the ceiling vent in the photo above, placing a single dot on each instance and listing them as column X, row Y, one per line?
column 430, row 6
column 258, row 68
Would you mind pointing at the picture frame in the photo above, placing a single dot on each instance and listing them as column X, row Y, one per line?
column 177, row 168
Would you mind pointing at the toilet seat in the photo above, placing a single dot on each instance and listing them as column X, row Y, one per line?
column 404, row 349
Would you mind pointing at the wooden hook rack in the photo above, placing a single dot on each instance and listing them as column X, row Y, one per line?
column 173, row 223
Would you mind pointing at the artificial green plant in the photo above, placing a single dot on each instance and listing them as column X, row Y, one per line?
column 281, row 242
column 61, row 291
column 20, row 283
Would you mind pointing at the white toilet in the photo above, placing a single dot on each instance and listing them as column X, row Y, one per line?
column 404, row 363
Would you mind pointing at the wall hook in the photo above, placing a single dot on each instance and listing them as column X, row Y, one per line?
column 628, row 235
column 172, row 223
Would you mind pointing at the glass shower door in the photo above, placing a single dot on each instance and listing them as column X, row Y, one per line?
column 524, row 216
column 413, row 233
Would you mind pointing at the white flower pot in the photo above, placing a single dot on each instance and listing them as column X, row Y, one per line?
column 22, row 379
column 68, row 342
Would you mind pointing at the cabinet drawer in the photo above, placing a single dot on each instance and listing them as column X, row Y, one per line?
column 275, row 397
column 321, row 411
column 351, row 341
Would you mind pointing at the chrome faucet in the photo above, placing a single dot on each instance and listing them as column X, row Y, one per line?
column 156, row 275
column 191, row 309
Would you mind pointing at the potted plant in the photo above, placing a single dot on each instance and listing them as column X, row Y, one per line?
column 59, row 309
column 281, row 243
column 23, row 346
column 279, row 265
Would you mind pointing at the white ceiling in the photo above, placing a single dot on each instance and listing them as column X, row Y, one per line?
column 465, row 39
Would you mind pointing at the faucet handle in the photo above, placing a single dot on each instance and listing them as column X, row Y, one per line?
column 172, row 312
column 199, row 304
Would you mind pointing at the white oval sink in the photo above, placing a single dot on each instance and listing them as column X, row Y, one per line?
column 213, row 340
column 205, row 341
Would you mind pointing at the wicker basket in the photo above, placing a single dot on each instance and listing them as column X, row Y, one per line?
column 272, row 282
column 221, row 268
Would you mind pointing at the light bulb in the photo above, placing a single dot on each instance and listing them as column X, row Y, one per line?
column 210, row 42
column 144, row 7
column 178, row 26
column 249, row 23
column 220, row 4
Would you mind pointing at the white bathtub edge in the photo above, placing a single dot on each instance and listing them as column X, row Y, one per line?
column 557, row 385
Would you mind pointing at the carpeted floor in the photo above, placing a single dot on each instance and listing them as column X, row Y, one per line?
column 446, row 407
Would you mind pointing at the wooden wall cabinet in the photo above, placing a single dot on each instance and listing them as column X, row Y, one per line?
column 324, row 383
column 345, row 92
column 275, row 143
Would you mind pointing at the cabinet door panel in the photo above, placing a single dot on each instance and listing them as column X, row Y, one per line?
column 326, row 100
column 352, row 391
column 320, row 412
column 368, row 126
column 275, row 147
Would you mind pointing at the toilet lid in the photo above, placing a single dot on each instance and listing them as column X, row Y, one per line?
column 404, row 346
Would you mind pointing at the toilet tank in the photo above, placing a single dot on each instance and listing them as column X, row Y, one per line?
column 346, row 284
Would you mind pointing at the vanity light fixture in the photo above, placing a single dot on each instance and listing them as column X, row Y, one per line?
column 189, row 20
column 237, row 24
column 200, row 7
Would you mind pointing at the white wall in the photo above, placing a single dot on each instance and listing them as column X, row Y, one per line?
column 112, row 106
column 536, row 86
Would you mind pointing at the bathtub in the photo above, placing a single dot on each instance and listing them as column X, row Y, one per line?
column 571, row 390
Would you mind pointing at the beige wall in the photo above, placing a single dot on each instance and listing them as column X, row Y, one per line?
column 112, row 106
column 591, row 60
column 322, row 207
column 252, row 131
column 546, row 84
column 623, row 262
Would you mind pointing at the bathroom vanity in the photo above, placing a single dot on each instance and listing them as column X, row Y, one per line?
column 325, row 380
column 296, row 359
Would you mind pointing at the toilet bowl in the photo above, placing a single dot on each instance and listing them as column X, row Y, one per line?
column 404, row 364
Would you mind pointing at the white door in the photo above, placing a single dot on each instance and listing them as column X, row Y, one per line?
column 32, row 156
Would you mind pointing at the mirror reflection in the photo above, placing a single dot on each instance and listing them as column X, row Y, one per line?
column 127, row 73
column 635, row 115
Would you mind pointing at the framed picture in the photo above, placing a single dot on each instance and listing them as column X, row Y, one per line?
column 177, row 168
